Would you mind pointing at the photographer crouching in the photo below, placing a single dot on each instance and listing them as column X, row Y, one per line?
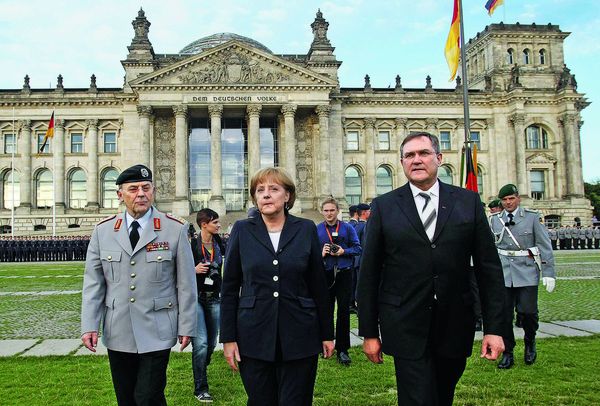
column 340, row 245
column 208, row 253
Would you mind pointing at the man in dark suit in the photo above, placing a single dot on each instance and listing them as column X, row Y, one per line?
column 414, row 279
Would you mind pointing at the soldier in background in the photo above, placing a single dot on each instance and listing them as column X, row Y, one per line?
column 596, row 235
column 589, row 236
column 568, row 237
column 553, row 234
column 495, row 206
column 561, row 238
column 525, row 252
column 582, row 238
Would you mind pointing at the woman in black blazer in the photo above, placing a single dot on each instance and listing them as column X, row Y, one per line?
column 275, row 313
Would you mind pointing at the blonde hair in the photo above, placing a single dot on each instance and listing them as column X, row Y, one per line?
column 277, row 175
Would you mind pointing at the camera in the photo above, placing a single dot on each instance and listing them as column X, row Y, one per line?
column 334, row 248
column 214, row 270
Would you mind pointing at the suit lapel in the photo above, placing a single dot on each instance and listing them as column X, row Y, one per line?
column 123, row 235
column 290, row 230
column 406, row 202
column 446, row 204
column 259, row 231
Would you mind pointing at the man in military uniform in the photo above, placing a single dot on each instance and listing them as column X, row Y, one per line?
column 525, row 251
column 140, row 279
column 568, row 237
column 561, row 238
column 582, row 238
column 589, row 236
column 553, row 235
column 596, row 237
column 495, row 206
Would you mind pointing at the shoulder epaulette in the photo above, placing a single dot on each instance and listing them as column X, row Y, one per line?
column 532, row 211
column 175, row 218
column 106, row 219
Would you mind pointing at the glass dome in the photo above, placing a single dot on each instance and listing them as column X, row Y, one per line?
column 217, row 39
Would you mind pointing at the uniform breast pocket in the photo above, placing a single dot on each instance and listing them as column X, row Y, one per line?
column 111, row 261
column 160, row 265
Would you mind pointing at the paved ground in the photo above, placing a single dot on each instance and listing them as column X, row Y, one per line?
column 28, row 348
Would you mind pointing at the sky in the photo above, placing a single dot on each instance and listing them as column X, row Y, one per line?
column 381, row 38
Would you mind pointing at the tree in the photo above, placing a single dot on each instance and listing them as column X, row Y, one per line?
column 592, row 192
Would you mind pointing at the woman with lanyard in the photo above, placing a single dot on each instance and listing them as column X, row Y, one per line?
column 208, row 257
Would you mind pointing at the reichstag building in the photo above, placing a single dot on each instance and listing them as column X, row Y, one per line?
column 207, row 117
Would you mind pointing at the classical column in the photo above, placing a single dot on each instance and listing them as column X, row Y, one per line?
column 58, row 157
column 370, row 159
column 289, row 144
column 560, row 173
column 336, row 152
column 401, row 132
column 145, row 112
column 492, row 169
column 324, row 160
column 92, row 180
column 518, row 121
column 25, row 180
column 574, row 175
column 253, row 111
column 181, row 205
column 551, row 190
column 217, row 203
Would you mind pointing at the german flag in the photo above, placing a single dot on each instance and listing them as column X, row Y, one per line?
column 452, row 49
column 491, row 5
column 471, row 179
column 49, row 134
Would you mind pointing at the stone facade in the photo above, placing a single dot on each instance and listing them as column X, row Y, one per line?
column 524, row 109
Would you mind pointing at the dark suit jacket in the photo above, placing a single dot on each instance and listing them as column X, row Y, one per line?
column 402, row 270
column 282, row 293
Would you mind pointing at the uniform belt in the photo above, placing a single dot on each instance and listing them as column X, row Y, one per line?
column 521, row 253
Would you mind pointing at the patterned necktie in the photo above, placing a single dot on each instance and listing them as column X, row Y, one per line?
column 427, row 215
column 510, row 221
column 134, row 235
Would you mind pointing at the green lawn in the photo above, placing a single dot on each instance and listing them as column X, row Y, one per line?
column 565, row 374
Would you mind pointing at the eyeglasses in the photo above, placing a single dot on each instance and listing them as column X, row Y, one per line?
column 426, row 153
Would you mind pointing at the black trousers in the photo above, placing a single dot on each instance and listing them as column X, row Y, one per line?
column 139, row 379
column 279, row 383
column 428, row 381
column 524, row 301
column 340, row 292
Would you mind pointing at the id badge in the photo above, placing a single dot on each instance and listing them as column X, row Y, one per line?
column 208, row 281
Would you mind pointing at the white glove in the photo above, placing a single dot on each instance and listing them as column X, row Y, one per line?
column 549, row 283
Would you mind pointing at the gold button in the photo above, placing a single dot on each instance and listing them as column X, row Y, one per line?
column 109, row 257
column 275, row 262
column 132, row 262
column 159, row 258
column 276, row 294
column 133, row 274
column 132, row 299
column 132, row 287
column 276, row 278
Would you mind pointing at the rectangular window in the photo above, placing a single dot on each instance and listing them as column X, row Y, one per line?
column 9, row 144
column 538, row 184
column 445, row 143
column 384, row 140
column 40, row 142
column 76, row 143
column 352, row 140
column 476, row 138
column 110, row 142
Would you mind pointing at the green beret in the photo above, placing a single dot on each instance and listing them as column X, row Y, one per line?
column 508, row 190
column 494, row 203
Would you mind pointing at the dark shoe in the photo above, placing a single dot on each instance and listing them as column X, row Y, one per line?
column 479, row 324
column 507, row 361
column 530, row 352
column 344, row 358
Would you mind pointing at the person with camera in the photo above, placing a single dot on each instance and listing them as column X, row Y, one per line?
column 340, row 245
column 208, row 253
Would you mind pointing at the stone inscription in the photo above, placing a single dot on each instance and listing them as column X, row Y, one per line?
column 235, row 98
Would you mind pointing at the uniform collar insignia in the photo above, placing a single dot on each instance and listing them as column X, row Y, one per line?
column 156, row 224
column 118, row 224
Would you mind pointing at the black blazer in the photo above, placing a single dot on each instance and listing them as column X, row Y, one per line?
column 402, row 270
column 266, row 294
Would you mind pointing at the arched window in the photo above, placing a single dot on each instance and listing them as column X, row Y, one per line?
column 542, row 56
column 536, row 137
column 383, row 179
column 11, row 196
column 445, row 174
column 109, row 189
column 510, row 56
column 44, row 196
column 353, row 185
column 479, row 180
column 526, row 60
column 77, row 189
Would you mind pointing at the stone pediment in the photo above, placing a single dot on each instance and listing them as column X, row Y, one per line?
column 233, row 64
column 541, row 158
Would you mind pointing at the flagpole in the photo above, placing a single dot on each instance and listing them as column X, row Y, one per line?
column 464, row 75
column 12, row 180
column 53, row 184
